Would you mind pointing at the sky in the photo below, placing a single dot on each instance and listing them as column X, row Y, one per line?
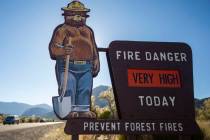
column 27, row 72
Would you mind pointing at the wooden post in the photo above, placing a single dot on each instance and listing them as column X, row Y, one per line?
column 103, row 49
column 75, row 137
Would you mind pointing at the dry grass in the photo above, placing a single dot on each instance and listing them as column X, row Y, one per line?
column 55, row 134
column 33, row 133
column 58, row 134
column 205, row 128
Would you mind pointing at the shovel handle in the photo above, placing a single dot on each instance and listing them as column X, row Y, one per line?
column 65, row 79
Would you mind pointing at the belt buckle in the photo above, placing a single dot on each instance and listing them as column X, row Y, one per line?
column 79, row 62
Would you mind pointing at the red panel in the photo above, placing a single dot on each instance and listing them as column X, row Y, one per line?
column 154, row 78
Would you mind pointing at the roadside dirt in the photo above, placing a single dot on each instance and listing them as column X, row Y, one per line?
column 49, row 132
column 34, row 133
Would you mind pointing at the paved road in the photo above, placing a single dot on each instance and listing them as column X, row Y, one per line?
column 5, row 128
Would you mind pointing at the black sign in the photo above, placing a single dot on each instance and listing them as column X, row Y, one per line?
column 153, row 88
column 152, row 80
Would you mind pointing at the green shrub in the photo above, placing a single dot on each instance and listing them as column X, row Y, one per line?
column 121, row 137
column 105, row 115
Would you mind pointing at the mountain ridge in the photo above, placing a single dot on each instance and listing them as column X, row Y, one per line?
column 96, row 92
column 18, row 108
column 199, row 102
column 37, row 111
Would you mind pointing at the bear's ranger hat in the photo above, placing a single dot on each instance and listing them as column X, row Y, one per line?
column 75, row 6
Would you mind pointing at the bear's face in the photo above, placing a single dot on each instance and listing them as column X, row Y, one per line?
column 75, row 20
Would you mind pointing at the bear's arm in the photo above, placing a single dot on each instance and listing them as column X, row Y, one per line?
column 57, row 41
column 95, row 50
column 96, row 62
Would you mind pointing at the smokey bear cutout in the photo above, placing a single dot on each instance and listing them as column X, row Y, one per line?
column 76, row 40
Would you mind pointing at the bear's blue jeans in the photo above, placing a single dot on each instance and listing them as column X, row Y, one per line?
column 79, row 85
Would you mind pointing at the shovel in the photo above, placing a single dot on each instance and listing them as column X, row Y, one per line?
column 62, row 104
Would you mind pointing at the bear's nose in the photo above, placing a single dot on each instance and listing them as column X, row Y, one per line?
column 77, row 17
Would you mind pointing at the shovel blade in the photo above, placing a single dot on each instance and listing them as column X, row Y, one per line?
column 61, row 107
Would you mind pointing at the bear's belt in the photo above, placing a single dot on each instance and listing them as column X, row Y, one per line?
column 80, row 62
